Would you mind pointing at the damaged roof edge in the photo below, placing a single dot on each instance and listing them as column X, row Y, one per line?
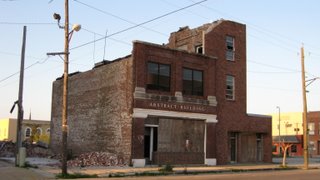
column 105, row 62
column 179, row 50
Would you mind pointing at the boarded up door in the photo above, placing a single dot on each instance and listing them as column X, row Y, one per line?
column 248, row 146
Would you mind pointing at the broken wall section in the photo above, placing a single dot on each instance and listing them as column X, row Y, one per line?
column 99, row 110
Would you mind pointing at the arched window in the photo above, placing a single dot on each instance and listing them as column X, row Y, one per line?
column 27, row 132
column 39, row 131
column 48, row 131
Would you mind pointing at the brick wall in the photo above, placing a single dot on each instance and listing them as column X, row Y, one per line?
column 231, row 114
column 99, row 110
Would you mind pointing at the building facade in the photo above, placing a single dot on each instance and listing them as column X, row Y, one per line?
column 179, row 103
column 8, row 129
column 288, row 127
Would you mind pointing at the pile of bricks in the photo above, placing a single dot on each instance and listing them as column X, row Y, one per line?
column 97, row 159
column 7, row 149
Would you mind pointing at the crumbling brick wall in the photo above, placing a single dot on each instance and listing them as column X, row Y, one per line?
column 99, row 110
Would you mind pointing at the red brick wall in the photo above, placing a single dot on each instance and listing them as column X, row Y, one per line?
column 314, row 117
column 144, row 52
column 231, row 114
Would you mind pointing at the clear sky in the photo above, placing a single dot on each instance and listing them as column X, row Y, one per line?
column 275, row 33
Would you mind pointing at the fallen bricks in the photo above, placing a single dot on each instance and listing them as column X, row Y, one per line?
column 97, row 159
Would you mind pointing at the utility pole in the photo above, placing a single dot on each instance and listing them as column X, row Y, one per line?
column 64, row 122
column 304, row 115
column 65, row 91
column 20, row 96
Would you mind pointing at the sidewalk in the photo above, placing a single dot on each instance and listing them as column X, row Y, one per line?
column 48, row 168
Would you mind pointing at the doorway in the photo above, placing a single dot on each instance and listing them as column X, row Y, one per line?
column 233, row 147
column 150, row 142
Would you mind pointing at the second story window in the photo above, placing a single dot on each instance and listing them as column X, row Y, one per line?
column 229, row 48
column 311, row 128
column 158, row 77
column 230, row 87
column 192, row 82
column 199, row 49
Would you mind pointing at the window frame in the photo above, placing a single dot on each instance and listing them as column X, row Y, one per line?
column 311, row 128
column 230, row 53
column 199, row 49
column 229, row 96
column 193, row 88
column 25, row 132
column 39, row 131
column 48, row 131
column 157, row 86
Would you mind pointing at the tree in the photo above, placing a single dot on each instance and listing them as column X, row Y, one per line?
column 284, row 146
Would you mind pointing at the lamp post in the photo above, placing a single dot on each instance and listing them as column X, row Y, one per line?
column 67, row 35
column 279, row 119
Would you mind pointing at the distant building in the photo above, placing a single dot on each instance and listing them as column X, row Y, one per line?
column 180, row 103
column 291, row 131
column 8, row 129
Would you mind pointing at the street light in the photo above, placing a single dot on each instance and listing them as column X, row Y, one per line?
column 68, row 36
column 279, row 128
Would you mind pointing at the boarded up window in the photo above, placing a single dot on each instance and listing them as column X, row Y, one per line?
column 181, row 135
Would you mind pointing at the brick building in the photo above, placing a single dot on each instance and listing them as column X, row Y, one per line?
column 179, row 103
column 291, row 132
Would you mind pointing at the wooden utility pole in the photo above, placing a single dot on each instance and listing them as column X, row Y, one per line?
column 65, row 92
column 304, row 115
column 20, row 96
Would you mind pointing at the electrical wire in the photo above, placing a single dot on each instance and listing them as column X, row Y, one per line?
column 118, row 17
column 26, row 23
column 38, row 62
column 140, row 24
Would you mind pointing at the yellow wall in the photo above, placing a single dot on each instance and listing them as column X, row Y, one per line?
column 288, row 123
column 4, row 126
column 8, row 128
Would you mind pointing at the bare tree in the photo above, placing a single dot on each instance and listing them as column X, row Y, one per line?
column 285, row 146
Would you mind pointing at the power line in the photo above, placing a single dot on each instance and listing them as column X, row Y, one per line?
column 26, row 23
column 104, row 36
column 38, row 62
column 117, row 17
column 276, row 36
column 137, row 25
column 273, row 66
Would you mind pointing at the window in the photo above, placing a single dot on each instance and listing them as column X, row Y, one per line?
column 230, row 87
column 319, row 130
column 230, row 48
column 199, row 49
column 192, row 82
column 48, row 131
column 28, row 132
column 274, row 148
column 294, row 148
column 158, row 77
column 39, row 131
column 311, row 128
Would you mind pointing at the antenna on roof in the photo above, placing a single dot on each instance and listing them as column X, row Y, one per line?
column 104, row 49
column 94, row 47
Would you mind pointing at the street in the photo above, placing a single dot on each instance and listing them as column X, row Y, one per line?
column 9, row 172
column 261, row 175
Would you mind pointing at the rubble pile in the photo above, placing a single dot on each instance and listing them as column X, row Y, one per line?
column 97, row 159
column 7, row 149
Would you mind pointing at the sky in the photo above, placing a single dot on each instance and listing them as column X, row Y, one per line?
column 276, row 31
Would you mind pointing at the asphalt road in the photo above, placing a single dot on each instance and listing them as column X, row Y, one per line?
column 262, row 175
column 9, row 172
